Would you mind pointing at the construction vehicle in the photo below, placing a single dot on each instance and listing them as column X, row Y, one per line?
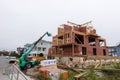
column 23, row 62
column 39, row 57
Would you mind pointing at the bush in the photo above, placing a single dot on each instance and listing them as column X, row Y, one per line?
column 116, row 65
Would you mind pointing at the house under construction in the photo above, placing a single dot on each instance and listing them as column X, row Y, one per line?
column 75, row 40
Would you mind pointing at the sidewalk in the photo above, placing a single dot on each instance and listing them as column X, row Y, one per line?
column 3, row 76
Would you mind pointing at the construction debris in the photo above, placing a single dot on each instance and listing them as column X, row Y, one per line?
column 49, row 68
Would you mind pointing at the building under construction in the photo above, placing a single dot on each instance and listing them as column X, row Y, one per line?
column 74, row 40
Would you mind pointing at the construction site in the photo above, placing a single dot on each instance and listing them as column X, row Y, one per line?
column 77, row 53
column 59, row 40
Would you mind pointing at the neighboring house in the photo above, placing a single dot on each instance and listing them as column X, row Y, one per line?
column 118, row 50
column 114, row 50
column 27, row 46
column 42, row 47
column 19, row 49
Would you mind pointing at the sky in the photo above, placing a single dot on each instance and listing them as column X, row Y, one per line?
column 24, row 21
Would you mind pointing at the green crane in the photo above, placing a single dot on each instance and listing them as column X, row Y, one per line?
column 25, row 64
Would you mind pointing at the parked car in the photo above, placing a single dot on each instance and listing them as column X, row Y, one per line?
column 12, row 60
column 7, row 57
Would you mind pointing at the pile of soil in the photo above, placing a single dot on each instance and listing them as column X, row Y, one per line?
column 32, row 73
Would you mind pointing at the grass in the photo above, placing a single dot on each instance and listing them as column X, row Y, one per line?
column 107, row 66
column 71, row 75
column 116, row 65
column 110, row 75
column 90, row 75
column 111, row 66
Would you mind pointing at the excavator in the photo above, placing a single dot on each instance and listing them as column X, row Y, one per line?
column 23, row 62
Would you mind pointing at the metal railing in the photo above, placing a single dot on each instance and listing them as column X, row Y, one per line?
column 14, row 73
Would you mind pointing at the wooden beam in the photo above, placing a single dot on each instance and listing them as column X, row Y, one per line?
column 79, row 33
column 102, row 69
column 79, row 75
column 72, row 50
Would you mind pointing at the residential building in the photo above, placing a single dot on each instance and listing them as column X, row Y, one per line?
column 74, row 40
column 42, row 47
column 114, row 50
column 118, row 50
column 20, row 50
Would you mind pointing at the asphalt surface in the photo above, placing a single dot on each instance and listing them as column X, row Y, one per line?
column 4, row 63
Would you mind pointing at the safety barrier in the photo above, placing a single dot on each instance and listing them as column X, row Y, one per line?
column 14, row 73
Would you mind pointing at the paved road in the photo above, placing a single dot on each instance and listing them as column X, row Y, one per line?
column 3, row 64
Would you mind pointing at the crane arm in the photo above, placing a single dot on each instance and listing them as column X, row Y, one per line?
column 33, row 45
